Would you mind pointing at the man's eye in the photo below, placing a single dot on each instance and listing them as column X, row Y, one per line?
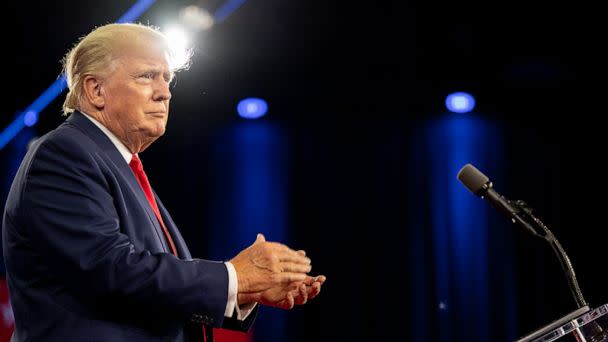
column 148, row 75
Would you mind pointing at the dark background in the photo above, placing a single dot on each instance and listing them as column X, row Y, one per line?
column 349, row 84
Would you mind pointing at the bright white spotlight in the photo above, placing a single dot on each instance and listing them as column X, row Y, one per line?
column 196, row 17
column 179, row 44
column 460, row 102
column 252, row 108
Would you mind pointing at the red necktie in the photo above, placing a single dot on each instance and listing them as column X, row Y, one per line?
column 138, row 169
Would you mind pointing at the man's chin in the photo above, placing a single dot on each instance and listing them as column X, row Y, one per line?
column 158, row 130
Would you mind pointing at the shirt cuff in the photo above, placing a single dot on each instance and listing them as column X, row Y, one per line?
column 233, row 288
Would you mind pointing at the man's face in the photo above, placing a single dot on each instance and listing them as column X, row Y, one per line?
column 137, row 96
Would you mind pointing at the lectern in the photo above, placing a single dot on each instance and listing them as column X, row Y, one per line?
column 582, row 325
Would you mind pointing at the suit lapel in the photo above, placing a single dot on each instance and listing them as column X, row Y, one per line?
column 101, row 139
column 178, row 240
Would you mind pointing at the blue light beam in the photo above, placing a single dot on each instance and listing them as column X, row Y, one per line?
column 135, row 11
column 226, row 10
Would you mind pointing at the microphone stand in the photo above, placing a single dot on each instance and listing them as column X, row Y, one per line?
column 540, row 229
column 534, row 225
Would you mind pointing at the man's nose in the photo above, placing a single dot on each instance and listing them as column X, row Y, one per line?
column 162, row 91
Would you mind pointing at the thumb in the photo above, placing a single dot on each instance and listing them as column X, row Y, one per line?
column 260, row 238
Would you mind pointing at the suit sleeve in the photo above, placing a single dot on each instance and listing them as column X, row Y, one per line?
column 68, row 210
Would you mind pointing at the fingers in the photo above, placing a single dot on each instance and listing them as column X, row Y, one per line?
column 311, row 280
column 296, row 268
column 283, row 252
column 316, row 286
column 287, row 295
column 289, row 301
column 269, row 264
column 288, row 277
column 315, row 289
column 312, row 286
column 303, row 295
column 293, row 256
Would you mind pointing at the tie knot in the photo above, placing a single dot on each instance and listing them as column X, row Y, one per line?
column 135, row 163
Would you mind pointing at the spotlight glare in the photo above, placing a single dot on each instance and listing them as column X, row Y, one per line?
column 460, row 102
column 179, row 44
column 252, row 108
column 196, row 17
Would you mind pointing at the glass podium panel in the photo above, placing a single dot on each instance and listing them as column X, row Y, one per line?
column 589, row 327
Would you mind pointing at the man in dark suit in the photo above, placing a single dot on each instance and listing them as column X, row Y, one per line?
column 91, row 253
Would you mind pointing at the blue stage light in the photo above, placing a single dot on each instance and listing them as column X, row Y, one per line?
column 460, row 102
column 252, row 108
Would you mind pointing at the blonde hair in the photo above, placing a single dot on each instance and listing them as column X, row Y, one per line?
column 95, row 52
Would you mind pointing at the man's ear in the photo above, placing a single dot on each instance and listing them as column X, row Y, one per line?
column 93, row 91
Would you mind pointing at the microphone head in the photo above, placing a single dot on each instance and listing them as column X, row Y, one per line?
column 473, row 179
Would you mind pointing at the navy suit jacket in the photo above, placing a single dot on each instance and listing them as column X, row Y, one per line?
column 86, row 258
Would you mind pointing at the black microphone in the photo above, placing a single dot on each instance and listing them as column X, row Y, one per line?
column 480, row 185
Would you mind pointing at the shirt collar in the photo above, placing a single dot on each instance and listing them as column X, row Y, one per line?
column 124, row 151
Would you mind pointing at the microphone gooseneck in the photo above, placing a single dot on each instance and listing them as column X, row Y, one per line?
column 520, row 213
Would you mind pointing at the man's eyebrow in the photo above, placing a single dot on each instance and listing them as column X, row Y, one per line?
column 168, row 75
column 146, row 69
